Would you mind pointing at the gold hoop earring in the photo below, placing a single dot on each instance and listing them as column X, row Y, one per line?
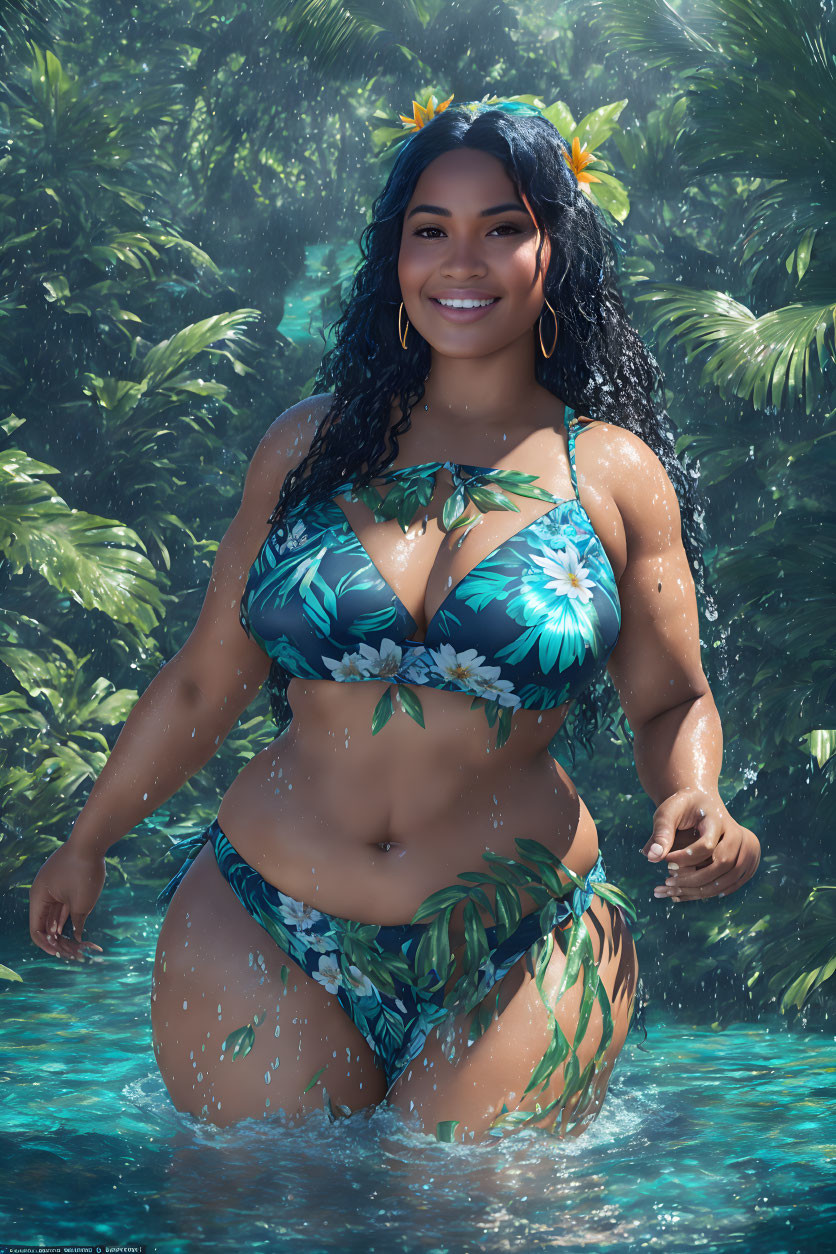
column 540, row 332
column 402, row 336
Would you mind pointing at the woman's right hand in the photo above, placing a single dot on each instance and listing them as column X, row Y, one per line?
column 68, row 885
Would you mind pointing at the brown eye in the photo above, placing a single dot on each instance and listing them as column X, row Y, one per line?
column 504, row 226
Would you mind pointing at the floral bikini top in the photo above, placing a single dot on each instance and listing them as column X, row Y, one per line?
column 528, row 627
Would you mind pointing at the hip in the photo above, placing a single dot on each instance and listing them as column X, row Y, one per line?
column 374, row 849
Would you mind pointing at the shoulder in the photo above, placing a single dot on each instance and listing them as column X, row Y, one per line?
column 291, row 434
column 634, row 478
column 280, row 450
column 288, row 438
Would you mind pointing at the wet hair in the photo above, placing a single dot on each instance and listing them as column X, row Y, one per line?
column 600, row 366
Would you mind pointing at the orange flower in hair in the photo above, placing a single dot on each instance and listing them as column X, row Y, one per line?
column 421, row 114
column 578, row 161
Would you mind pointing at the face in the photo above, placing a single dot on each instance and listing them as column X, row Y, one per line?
column 451, row 246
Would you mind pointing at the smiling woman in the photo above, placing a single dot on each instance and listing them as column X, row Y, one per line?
column 329, row 927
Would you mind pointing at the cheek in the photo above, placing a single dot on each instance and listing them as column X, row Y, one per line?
column 411, row 270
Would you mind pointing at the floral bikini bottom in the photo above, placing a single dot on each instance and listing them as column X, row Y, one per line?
column 394, row 981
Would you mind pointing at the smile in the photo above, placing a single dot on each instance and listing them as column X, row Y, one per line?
column 464, row 310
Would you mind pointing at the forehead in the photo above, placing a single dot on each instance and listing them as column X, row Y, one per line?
column 465, row 179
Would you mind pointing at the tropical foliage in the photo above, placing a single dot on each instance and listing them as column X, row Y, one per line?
column 171, row 256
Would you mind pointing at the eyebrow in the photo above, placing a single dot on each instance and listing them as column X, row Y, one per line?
column 485, row 213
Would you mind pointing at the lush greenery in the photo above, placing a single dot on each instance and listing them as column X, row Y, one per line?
column 171, row 258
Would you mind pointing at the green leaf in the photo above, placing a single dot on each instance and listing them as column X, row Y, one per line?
column 748, row 356
column 411, row 704
column 513, row 872
column 90, row 558
column 520, row 484
column 617, row 897
column 433, row 952
column 535, row 852
column 579, row 950
column 578, row 880
column 454, row 507
column 477, row 948
column 486, row 498
column 586, row 1097
column 821, row 744
column 477, row 877
column 241, row 1041
column 503, row 730
column 508, row 912
column 382, row 711
column 439, row 900
column 597, row 126
column 556, row 1052
column 314, row 1079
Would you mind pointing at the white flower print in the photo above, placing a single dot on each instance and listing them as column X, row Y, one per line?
column 351, row 666
column 295, row 537
column 462, row 668
column 384, row 663
column 359, row 983
column 568, row 576
column 328, row 974
column 297, row 913
column 320, row 943
column 501, row 690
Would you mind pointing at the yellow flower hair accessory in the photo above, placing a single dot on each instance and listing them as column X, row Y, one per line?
column 578, row 161
column 421, row 114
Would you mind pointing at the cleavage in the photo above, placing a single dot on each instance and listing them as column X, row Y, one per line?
column 423, row 565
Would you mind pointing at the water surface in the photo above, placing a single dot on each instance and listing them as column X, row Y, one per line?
column 710, row 1140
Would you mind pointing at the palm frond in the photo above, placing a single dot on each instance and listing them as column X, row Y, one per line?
column 348, row 32
column 748, row 356
column 92, row 559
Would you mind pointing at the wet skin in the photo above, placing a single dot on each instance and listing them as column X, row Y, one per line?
column 366, row 827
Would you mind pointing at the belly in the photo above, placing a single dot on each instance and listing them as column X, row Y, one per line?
column 366, row 827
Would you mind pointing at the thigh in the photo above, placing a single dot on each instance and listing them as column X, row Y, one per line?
column 452, row 1080
column 218, row 971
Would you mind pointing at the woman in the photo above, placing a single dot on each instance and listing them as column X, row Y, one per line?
column 427, row 643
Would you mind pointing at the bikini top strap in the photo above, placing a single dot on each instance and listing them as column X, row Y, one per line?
column 570, row 420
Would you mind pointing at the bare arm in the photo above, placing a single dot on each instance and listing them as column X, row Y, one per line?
column 195, row 700
column 656, row 665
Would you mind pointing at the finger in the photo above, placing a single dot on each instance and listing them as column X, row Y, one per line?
column 707, row 835
column 43, row 940
column 78, row 925
column 665, row 822
column 696, row 877
column 721, row 886
column 52, row 919
column 68, row 949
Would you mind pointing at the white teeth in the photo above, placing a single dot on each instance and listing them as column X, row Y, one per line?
column 465, row 304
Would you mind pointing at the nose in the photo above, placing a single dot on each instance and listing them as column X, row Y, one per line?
column 463, row 259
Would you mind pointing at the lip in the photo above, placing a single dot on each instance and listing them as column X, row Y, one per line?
column 464, row 315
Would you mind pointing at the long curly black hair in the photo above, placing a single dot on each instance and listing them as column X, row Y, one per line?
column 600, row 366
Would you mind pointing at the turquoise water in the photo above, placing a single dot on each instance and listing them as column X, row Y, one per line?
column 708, row 1140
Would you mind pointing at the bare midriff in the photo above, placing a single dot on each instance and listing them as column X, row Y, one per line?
column 366, row 827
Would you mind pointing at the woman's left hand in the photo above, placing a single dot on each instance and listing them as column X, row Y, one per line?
column 709, row 854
